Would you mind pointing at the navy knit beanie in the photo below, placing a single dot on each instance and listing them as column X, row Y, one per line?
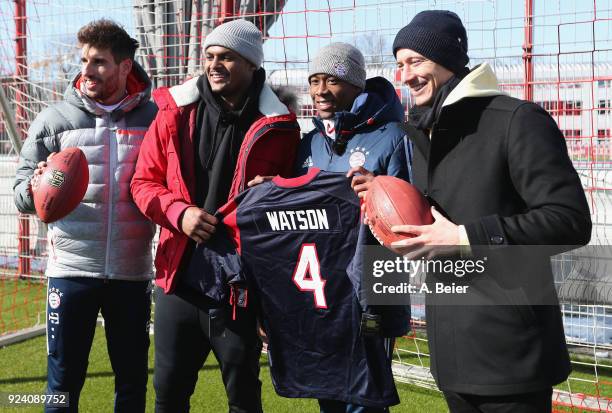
column 439, row 36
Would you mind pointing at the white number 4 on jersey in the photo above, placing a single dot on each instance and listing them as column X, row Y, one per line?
column 308, row 264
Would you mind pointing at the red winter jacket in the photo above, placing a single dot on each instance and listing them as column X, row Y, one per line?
column 163, row 185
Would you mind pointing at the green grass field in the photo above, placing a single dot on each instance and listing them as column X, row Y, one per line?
column 588, row 376
column 23, row 369
column 587, row 379
column 23, row 366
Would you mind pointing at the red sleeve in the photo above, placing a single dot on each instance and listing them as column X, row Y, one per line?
column 149, row 184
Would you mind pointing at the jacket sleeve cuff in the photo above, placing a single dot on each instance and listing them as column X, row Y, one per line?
column 174, row 213
column 486, row 231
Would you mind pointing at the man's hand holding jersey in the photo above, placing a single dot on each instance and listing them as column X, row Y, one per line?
column 259, row 180
column 360, row 182
column 198, row 224
column 362, row 178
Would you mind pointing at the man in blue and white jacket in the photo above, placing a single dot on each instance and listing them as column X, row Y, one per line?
column 100, row 253
column 357, row 127
column 357, row 132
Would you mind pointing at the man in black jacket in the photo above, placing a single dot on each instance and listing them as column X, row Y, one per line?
column 497, row 171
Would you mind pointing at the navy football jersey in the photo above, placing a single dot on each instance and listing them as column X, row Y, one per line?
column 298, row 239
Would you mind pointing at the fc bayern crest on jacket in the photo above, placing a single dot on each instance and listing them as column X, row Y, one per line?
column 358, row 156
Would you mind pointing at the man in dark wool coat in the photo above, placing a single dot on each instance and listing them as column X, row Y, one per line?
column 497, row 172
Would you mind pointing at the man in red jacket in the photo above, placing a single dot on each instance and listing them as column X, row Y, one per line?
column 211, row 135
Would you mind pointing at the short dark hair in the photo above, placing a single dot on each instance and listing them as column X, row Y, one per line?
column 106, row 34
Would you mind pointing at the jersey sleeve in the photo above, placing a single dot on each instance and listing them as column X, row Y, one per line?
column 228, row 214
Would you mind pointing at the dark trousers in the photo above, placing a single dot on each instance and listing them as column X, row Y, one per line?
column 185, row 333
column 537, row 402
column 72, row 309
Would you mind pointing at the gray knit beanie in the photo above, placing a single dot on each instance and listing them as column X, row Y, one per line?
column 340, row 60
column 241, row 36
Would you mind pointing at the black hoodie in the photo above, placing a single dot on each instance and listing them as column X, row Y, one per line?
column 218, row 143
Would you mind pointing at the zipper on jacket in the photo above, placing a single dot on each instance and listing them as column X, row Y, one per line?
column 328, row 141
column 112, row 164
column 267, row 128
column 330, row 149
